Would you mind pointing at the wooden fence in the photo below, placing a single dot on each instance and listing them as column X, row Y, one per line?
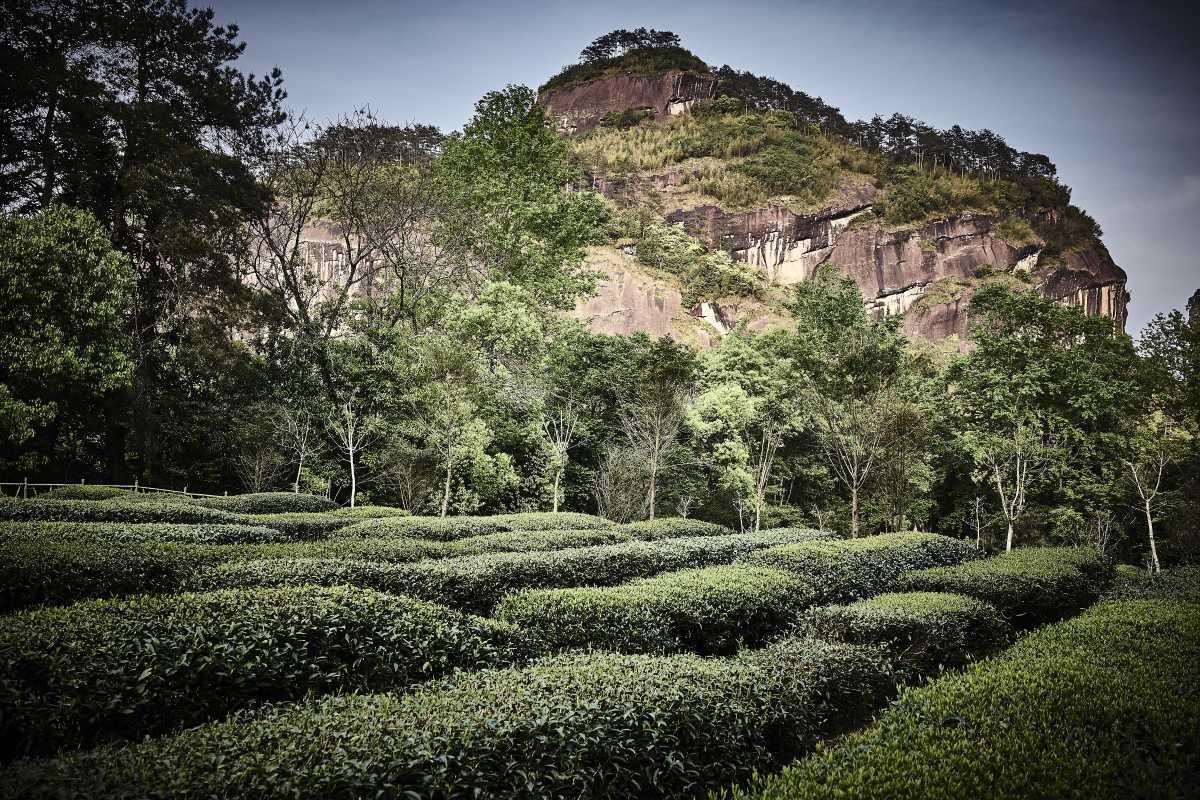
column 25, row 489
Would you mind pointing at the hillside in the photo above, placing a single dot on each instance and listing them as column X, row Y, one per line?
column 780, row 181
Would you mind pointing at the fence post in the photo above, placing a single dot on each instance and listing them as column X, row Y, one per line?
column 135, row 485
column 227, row 493
column 185, row 488
column 81, row 481
column 25, row 489
column 329, row 491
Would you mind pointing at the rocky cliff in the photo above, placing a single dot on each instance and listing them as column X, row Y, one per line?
column 578, row 108
column 926, row 271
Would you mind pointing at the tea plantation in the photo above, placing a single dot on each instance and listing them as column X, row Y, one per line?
column 276, row 646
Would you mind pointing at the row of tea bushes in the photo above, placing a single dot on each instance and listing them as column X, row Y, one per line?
column 713, row 610
column 36, row 570
column 476, row 583
column 119, row 533
column 446, row 529
column 130, row 509
column 1101, row 706
column 1029, row 585
column 582, row 725
column 112, row 669
column 922, row 632
column 1177, row 583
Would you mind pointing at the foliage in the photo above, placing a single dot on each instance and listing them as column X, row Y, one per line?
column 1011, row 726
column 706, row 276
column 841, row 570
column 627, row 118
column 269, row 503
column 477, row 583
column 119, row 533
column 1174, row 583
column 641, row 60
column 915, row 195
column 115, row 510
column 923, row 631
column 709, row 611
column 450, row 528
column 1030, row 585
column 671, row 528
column 66, row 296
column 580, row 725
column 109, row 669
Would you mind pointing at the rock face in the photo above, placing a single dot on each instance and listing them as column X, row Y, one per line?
column 580, row 107
column 893, row 269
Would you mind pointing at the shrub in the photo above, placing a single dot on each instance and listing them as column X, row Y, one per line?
column 84, row 491
column 396, row 551
column 672, row 527
column 534, row 541
column 302, row 525
column 596, row 725
column 448, row 529
column 36, row 570
column 269, row 503
column 117, row 533
column 126, row 669
column 1176, row 583
column 1102, row 706
column 923, row 631
column 847, row 569
column 708, row 611
column 371, row 512
column 1029, row 585
column 476, row 583
column 114, row 510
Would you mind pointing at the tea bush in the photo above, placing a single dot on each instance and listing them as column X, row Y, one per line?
column 1102, row 706
column 269, row 503
column 111, row 669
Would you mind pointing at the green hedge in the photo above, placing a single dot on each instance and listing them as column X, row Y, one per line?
column 707, row 611
column 848, row 569
column 1176, row 583
column 40, row 571
column 119, row 533
column 451, row 528
column 534, row 541
column 114, row 510
column 126, row 669
column 1029, row 585
column 301, row 526
column 1102, row 706
column 923, row 631
column 371, row 512
column 269, row 503
column 84, row 491
column 673, row 527
column 476, row 583
column 598, row 725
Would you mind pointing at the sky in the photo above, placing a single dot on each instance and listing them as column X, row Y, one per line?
column 1110, row 91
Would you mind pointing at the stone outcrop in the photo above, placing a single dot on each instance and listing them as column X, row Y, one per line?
column 894, row 268
column 579, row 107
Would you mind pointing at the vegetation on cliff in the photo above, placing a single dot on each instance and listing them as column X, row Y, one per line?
column 636, row 52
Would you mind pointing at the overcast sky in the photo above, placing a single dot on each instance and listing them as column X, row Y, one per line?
column 1110, row 91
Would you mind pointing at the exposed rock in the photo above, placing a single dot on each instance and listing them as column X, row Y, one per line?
column 1193, row 308
column 579, row 108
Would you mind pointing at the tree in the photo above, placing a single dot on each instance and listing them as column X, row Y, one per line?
column 855, row 436
column 135, row 112
column 352, row 432
column 296, row 434
column 66, row 295
column 507, row 173
column 1013, row 463
column 651, row 425
column 558, row 425
column 1155, row 444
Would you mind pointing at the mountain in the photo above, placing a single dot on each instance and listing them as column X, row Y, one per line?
column 783, row 184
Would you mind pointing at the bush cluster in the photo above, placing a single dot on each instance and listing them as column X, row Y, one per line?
column 1029, row 585
column 84, row 491
column 1176, row 583
column 302, row 525
column 37, row 570
column 126, row 669
column 476, row 583
column 673, row 527
column 922, row 631
column 448, row 529
column 708, row 611
column 1101, row 706
column 120, row 533
column 594, row 725
column 848, row 569
column 269, row 503
column 117, row 509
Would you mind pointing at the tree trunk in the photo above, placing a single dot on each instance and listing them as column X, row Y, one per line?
column 853, row 512
column 446, row 490
column 557, row 476
column 299, row 469
column 1008, row 542
column 653, row 486
column 353, row 480
column 1154, row 565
